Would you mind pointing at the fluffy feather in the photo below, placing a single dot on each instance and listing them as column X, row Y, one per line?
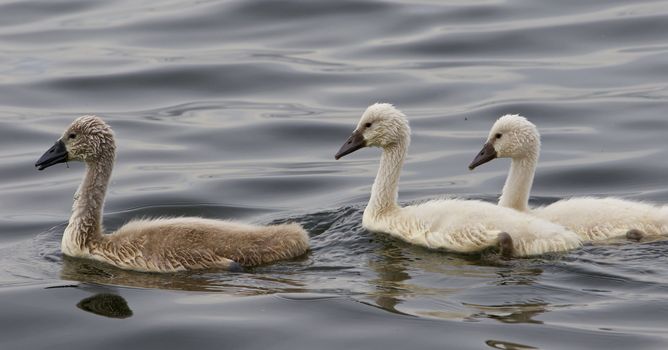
column 591, row 218
column 463, row 226
column 164, row 244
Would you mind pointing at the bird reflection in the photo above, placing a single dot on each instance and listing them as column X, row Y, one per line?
column 504, row 345
column 507, row 313
column 106, row 304
column 90, row 271
column 391, row 271
column 396, row 263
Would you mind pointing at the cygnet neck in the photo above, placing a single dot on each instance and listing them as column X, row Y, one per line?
column 85, row 223
column 384, row 192
column 518, row 184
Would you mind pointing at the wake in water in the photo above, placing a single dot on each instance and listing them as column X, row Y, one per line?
column 348, row 260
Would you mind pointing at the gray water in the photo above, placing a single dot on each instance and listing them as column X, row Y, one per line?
column 234, row 109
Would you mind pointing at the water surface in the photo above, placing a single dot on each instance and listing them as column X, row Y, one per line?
column 234, row 109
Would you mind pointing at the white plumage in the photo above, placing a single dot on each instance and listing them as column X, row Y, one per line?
column 513, row 136
column 601, row 218
column 457, row 225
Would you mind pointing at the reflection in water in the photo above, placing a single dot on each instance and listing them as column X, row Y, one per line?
column 228, row 110
column 102, row 303
column 405, row 279
column 90, row 271
column 105, row 304
column 500, row 344
column 410, row 276
column 518, row 313
column 518, row 275
column 389, row 265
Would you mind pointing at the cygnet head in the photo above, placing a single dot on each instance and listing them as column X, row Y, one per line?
column 512, row 136
column 87, row 139
column 381, row 125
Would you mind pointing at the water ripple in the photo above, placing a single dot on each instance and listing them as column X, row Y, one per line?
column 234, row 109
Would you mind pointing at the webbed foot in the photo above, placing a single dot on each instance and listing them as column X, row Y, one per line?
column 235, row 267
column 635, row 234
column 506, row 245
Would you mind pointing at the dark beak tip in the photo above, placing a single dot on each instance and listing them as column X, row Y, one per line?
column 339, row 155
column 54, row 155
column 352, row 144
column 487, row 154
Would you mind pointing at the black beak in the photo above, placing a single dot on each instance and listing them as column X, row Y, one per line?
column 56, row 154
column 354, row 142
column 486, row 154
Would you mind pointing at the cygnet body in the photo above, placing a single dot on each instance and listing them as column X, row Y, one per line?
column 514, row 137
column 155, row 245
column 463, row 226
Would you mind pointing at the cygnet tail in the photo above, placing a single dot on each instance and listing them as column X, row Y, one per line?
column 556, row 241
column 288, row 241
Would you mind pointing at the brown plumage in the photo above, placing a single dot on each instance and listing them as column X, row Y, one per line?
column 156, row 245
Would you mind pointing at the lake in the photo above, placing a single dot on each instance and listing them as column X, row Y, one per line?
column 235, row 109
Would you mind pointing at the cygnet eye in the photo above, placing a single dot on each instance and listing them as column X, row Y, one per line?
column 368, row 125
column 72, row 136
column 498, row 136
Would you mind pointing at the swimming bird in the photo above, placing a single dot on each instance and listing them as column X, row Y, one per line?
column 514, row 137
column 463, row 226
column 155, row 245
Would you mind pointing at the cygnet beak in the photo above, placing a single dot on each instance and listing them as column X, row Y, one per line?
column 54, row 155
column 486, row 154
column 354, row 142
